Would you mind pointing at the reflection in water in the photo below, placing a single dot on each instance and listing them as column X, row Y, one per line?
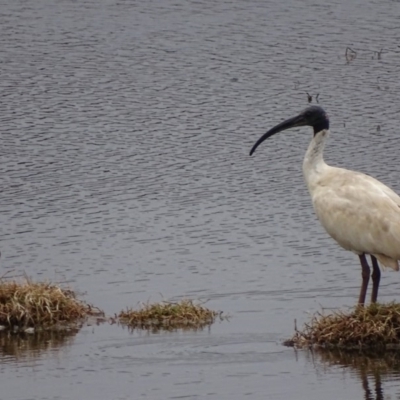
column 369, row 366
column 167, row 328
column 25, row 345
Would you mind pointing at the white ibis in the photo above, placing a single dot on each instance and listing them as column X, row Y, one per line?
column 359, row 212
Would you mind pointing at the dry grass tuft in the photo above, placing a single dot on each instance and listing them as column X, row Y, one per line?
column 39, row 305
column 184, row 314
column 375, row 326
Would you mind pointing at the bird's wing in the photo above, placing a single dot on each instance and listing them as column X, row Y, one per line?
column 369, row 181
column 360, row 213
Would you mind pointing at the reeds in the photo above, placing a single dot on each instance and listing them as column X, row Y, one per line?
column 184, row 314
column 40, row 305
column 376, row 326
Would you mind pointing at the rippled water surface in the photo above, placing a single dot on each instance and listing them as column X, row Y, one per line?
column 125, row 130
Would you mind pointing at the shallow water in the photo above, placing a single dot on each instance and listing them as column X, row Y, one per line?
column 125, row 173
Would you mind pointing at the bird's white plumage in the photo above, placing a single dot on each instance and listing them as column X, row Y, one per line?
column 359, row 212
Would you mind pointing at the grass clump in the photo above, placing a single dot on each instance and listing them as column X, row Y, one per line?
column 375, row 326
column 184, row 314
column 39, row 305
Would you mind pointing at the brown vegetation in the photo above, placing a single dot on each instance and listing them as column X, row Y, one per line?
column 40, row 305
column 375, row 326
column 169, row 316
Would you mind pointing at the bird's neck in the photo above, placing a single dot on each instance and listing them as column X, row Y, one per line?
column 314, row 164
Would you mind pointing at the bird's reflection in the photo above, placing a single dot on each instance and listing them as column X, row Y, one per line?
column 369, row 366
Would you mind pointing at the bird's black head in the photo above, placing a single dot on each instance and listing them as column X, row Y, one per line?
column 314, row 116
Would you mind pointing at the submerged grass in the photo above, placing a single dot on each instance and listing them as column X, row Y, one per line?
column 375, row 326
column 164, row 315
column 40, row 305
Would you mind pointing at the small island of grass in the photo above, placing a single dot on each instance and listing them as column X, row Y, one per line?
column 28, row 306
column 374, row 327
column 164, row 315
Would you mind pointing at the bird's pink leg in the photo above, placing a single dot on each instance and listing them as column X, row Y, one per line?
column 365, row 279
column 376, row 277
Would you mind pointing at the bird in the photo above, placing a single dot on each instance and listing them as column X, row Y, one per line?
column 359, row 212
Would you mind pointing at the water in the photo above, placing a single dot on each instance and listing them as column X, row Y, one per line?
column 125, row 173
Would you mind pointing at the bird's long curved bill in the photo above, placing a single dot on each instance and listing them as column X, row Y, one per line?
column 289, row 123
